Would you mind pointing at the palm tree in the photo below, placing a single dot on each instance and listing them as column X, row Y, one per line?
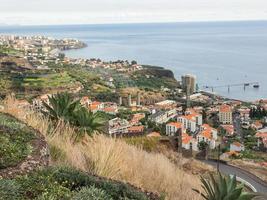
column 223, row 188
column 61, row 107
column 87, row 122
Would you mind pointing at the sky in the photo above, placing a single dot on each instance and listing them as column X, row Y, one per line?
column 47, row 12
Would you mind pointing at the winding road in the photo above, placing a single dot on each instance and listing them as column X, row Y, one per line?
column 256, row 182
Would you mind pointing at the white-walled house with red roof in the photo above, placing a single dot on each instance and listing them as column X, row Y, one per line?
column 190, row 121
column 173, row 127
column 208, row 135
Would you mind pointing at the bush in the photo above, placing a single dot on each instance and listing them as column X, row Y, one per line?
column 91, row 193
column 42, row 185
column 9, row 190
column 65, row 184
column 74, row 180
column 56, row 153
column 15, row 140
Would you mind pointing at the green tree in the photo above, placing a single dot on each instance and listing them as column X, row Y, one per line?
column 202, row 145
column 61, row 107
column 87, row 123
column 223, row 188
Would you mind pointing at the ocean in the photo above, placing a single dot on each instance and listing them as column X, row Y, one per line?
column 218, row 53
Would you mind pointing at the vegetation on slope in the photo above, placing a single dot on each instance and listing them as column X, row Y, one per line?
column 15, row 140
column 68, row 184
column 113, row 158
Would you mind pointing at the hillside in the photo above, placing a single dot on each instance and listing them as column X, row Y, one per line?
column 155, row 77
column 24, row 158
column 112, row 158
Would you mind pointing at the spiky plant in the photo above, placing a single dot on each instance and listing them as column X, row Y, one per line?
column 87, row 122
column 223, row 188
column 61, row 107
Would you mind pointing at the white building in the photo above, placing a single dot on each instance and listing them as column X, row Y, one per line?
column 173, row 127
column 190, row 121
column 225, row 114
column 236, row 146
column 208, row 135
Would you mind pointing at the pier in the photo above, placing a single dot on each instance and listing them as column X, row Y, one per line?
column 254, row 84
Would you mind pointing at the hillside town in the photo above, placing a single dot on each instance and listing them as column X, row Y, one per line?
column 136, row 101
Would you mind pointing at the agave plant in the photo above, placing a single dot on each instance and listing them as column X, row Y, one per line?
column 61, row 107
column 87, row 122
column 223, row 188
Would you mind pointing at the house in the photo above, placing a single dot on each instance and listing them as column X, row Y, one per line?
column 135, row 129
column 161, row 117
column 137, row 117
column 262, row 138
column 96, row 106
column 173, row 127
column 237, row 147
column 85, row 101
column 208, row 135
column 190, row 121
column 225, row 114
column 189, row 143
column 118, row 126
column 229, row 129
column 257, row 125
column 38, row 102
column 166, row 105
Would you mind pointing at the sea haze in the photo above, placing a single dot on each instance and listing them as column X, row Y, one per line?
column 219, row 53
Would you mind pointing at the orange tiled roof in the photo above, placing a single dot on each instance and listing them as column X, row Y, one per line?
column 136, row 128
column 206, row 133
column 176, row 124
column 228, row 128
column 109, row 109
column 93, row 107
column 238, row 144
column 186, row 139
column 257, row 123
column 96, row 103
column 261, row 135
column 225, row 108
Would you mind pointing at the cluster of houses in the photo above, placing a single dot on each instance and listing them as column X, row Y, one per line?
column 193, row 131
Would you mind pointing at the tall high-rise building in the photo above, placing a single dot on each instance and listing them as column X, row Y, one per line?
column 189, row 83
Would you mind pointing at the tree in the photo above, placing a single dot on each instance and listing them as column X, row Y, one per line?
column 223, row 188
column 87, row 123
column 61, row 107
column 202, row 145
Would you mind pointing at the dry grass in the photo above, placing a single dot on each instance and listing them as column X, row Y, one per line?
column 113, row 158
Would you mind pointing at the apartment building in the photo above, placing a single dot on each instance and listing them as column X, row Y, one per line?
column 225, row 114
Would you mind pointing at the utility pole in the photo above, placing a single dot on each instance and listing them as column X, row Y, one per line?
column 218, row 158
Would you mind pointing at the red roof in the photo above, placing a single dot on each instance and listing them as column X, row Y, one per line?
column 176, row 124
column 225, row 108
column 136, row 129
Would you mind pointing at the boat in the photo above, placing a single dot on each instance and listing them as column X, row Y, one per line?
column 256, row 86
column 246, row 84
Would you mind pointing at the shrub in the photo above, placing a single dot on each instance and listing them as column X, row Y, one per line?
column 15, row 140
column 42, row 185
column 56, row 153
column 9, row 190
column 91, row 193
column 74, row 179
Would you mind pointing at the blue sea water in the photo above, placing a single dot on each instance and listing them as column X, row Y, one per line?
column 218, row 53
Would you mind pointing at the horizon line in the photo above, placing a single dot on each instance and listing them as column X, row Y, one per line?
column 128, row 23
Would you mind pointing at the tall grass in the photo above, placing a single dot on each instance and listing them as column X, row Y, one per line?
column 112, row 158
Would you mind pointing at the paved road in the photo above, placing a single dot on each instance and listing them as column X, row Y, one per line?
column 259, row 185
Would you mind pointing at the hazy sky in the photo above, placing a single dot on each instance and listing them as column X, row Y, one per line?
column 120, row 11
